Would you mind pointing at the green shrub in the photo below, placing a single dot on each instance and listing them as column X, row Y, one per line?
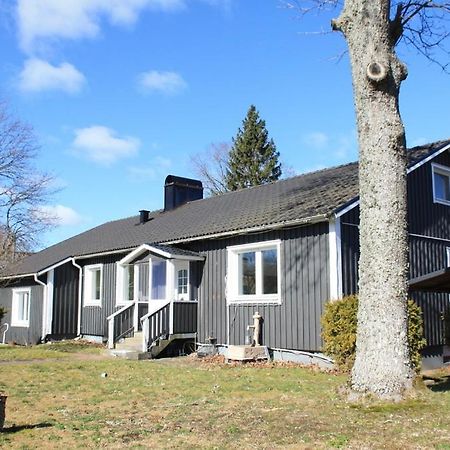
column 339, row 322
column 2, row 313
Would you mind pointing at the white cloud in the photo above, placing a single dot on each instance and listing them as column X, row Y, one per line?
column 164, row 82
column 102, row 145
column 60, row 215
column 47, row 20
column 38, row 75
column 316, row 139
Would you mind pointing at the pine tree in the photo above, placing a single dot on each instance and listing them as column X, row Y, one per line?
column 253, row 157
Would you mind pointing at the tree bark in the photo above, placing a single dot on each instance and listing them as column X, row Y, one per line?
column 382, row 365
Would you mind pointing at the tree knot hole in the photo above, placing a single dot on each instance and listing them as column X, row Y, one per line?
column 376, row 71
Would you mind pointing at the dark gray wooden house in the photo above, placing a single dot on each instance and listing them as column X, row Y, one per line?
column 202, row 267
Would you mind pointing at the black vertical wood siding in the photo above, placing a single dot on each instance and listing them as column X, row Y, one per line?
column 94, row 321
column 426, row 220
column 65, row 301
column 294, row 324
column 184, row 317
column 23, row 335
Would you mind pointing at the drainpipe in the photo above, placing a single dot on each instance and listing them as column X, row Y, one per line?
column 44, row 306
column 80, row 285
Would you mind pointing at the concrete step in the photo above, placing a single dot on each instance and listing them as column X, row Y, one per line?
column 130, row 354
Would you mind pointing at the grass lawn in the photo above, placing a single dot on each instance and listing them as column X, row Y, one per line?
column 187, row 403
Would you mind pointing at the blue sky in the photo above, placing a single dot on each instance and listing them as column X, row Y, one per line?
column 122, row 92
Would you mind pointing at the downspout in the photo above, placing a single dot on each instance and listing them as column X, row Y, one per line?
column 80, row 285
column 44, row 306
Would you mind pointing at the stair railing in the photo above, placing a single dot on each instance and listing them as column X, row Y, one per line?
column 156, row 323
column 6, row 325
column 120, row 324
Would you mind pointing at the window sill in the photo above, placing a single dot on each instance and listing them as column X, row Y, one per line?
column 275, row 300
column 20, row 324
column 98, row 304
column 442, row 202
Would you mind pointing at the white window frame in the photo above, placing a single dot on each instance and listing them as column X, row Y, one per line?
column 122, row 284
column 182, row 265
column 233, row 253
column 88, row 288
column 441, row 170
column 15, row 321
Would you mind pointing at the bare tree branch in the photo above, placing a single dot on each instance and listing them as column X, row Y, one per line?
column 211, row 167
column 24, row 190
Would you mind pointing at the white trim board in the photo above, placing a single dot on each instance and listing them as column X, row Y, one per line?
column 334, row 236
column 409, row 170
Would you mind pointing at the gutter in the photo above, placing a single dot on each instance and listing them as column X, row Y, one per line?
column 80, row 285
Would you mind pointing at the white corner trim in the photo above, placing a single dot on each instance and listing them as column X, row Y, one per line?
column 335, row 267
column 80, row 295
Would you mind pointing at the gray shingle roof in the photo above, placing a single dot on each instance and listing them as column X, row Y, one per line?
column 301, row 198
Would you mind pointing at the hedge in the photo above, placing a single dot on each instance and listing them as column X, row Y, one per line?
column 339, row 322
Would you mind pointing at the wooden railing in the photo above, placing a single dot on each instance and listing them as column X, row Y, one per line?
column 121, row 324
column 156, row 323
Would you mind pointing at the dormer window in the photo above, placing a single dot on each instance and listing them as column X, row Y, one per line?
column 441, row 184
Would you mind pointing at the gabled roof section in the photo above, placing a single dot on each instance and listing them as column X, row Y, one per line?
column 164, row 251
column 305, row 198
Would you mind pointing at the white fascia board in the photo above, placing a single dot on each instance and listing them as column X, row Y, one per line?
column 429, row 158
column 13, row 277
column 54, row 266
column 410, row 169
column 346, row 209
column 166, row 255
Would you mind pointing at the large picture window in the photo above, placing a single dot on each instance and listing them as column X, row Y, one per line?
column 20, row 311
column 93, row 279
column 441, row 184
column 254, row 272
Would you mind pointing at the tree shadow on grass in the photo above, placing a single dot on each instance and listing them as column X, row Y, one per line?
column 439, row 384
column 16, row 428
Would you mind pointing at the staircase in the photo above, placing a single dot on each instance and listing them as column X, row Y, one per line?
column 130, row 348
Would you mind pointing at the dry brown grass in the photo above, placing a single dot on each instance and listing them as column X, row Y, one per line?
column 187, row 403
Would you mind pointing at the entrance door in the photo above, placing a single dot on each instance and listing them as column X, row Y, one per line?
column 182, row 280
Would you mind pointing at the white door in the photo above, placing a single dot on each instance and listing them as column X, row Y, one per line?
column 182, row 280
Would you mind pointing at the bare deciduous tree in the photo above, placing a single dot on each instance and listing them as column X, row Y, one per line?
column 373, row 29
column 24, row 190
column 211, row 167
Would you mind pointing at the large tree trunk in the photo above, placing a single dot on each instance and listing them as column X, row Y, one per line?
column 382, row 365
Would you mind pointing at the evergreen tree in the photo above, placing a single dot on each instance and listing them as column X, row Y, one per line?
column 253, row 157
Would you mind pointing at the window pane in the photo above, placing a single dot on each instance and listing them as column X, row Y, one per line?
column 158, row 279
column 182, row 281
column 130, row 290
column 248, row 273
column 97, row 285
column 22, row 306
column 441, row 186
column 269, row 268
